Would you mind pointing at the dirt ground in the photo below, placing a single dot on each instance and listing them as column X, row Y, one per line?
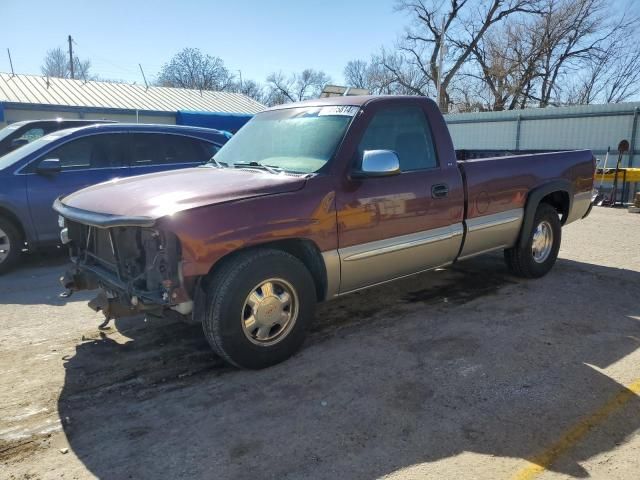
column 460, row 373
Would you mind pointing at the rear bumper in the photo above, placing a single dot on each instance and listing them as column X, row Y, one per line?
column 594, row 196
column 588, row 211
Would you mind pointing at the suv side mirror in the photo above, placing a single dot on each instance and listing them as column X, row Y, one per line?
column 18, row 142
column 378, row 163
column 48, row 166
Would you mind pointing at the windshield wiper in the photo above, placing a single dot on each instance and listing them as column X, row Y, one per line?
column 261, row 166
column 217, row 163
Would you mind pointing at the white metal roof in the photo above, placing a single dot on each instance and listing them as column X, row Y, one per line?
column 34, row 89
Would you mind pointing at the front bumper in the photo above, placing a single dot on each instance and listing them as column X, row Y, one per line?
column 100, row 220
column 136, row 267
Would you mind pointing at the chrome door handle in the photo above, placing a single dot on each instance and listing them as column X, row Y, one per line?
column 439, row 190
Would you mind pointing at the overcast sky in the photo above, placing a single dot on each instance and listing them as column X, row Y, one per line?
column 257, row 37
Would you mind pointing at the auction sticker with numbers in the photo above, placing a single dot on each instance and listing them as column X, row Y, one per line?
column 346, row 110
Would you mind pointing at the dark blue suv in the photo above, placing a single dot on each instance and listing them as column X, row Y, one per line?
column 33, row 176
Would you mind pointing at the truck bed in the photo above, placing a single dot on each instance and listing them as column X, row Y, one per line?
column 497, row 189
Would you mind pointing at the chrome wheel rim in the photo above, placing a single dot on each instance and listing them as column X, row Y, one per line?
column 269, row 312
column 542, row 242
column 5, row 245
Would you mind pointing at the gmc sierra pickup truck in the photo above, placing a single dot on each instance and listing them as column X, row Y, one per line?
column 307, row 202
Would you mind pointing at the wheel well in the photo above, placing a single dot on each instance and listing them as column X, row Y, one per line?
column 560, row 201
column 304, row 250
column 10, row 216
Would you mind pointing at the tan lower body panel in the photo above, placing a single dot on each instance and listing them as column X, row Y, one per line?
column 374, row 262
column 492, row 232
column 368, row 264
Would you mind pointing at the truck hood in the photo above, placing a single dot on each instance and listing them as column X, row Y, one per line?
column 159, row 194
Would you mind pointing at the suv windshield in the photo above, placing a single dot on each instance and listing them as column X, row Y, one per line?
column 300, row 140
column 9, row 129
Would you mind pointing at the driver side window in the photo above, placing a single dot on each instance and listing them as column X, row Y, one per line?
column 405, row 131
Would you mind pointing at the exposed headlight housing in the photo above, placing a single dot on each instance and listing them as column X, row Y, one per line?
column 64, row 236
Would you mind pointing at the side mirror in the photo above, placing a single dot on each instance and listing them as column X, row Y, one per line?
column 18, row 142
column 49, row 166
column 378, row 163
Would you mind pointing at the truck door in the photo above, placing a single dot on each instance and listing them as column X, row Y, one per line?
column 393, row 226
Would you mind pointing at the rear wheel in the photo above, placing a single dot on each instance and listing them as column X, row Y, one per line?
column 259, row 305
column 10, row 245
column 539, row 252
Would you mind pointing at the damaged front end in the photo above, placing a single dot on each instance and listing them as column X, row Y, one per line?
column 135, row 267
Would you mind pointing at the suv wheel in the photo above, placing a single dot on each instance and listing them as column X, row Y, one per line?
column 10, row 245
column 259, row 304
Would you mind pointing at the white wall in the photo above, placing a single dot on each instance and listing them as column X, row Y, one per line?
column 17, row 115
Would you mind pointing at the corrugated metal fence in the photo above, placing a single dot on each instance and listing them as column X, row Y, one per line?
column 595, row 127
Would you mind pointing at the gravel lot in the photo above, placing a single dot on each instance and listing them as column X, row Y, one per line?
column 460, row 373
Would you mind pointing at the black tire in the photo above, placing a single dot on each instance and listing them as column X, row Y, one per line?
column 11, row 236
column 227, row 290
column 520, row 259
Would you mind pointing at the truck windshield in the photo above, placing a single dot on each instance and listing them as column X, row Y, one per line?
column 300, row 140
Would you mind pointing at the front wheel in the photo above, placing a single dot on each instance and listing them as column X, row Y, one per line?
column 259, row 305
column 539, row 252
column 10, row 245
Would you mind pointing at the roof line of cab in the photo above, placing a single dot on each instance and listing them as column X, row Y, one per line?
column 355, row 100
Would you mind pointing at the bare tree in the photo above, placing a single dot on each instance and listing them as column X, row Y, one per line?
column 357, row 74
column 283, row 88
column 463, row 23
column 572, row 51
column 597, row 61
column 56, row 64
column 381, row 80
column 622, row 79
column 508, row 60
column 571, row 31
column 250, row 88
column 190, row 68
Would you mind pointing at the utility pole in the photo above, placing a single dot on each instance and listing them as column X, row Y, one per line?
column 11, row 63
column 71, row 57
column 440, row 62
column 144, row 78
column 240, row 72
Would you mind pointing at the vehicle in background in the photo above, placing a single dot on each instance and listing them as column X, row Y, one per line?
column 307, row 202
column 62, row 162
column 19, row 134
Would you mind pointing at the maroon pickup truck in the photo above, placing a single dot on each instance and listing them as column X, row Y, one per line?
column 307, row 202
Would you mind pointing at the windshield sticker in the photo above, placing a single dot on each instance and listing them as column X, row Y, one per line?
column 346, row 110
